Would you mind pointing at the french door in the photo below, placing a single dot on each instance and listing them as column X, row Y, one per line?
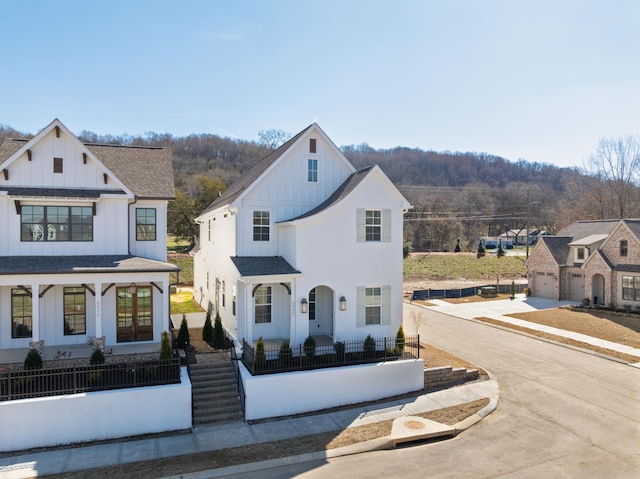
column 134, row 314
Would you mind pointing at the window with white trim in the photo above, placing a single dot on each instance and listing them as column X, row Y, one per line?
column 312, row 170
column 373, row 305
column 312, row 304
column 373, row 225
column 580, row 254
column 261, row 225
column 262, row 301
column 631, row 288
column 75, row 311
column 233, row 300
column 624, row 248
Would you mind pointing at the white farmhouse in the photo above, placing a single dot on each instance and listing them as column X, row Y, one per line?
column 82, row 243
column 303, row 244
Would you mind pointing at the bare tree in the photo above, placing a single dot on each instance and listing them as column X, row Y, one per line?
column 615, row 165
column 273, row 138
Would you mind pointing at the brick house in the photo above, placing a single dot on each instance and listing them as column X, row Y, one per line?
column 594, row 260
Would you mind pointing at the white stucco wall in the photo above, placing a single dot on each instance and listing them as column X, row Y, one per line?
column 58, row 420
column 273, row 395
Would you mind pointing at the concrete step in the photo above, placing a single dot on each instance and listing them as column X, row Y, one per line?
column 215, row 393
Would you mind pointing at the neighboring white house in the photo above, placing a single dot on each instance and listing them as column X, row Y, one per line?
column 303, row 244
column 83, row 242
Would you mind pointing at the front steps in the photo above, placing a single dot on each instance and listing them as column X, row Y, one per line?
column 215, row 393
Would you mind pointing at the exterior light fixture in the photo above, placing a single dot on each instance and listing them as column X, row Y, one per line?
column 133, row 288
column 343, row 303
column 303, row 305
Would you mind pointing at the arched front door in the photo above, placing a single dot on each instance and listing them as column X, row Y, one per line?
column 597, row 289
column 321, row 311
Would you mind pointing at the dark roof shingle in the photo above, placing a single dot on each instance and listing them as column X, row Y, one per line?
column 262, row 265
column 81, row 264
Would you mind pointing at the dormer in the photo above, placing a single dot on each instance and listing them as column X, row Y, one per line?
column 582, row 248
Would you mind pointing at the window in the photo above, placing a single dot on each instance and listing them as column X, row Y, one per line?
column 631, row 288
column 263, row 304
column 233, row 300
column 224, row 292
column 312, row 304
column 312, row 171
column 57, row 165
column 624, row 248
column 145, row 224
column 56, row 223
column 21, row 313
column 580, row 253
column 372, row 311
column 373, row 223
column 260, row 226
column 75, row 311
column 312, row 145
column 209, row 230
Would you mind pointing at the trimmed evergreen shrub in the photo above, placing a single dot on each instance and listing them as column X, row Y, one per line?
column 285, row 353
column 207, row 329
column 261, row 358
column 513, row 289
column 33, row 360
column 309, row 347
column 457, row 249
column 183, row 338
column 165, row 347
column 369, row 346
column 218, row 333
column 500, row 250
column 97, row 357
column 481, row 250
column 400, row 340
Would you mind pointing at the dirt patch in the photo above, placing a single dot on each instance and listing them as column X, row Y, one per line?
column 270, row 450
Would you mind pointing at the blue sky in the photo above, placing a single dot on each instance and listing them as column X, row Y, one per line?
column 540, row 80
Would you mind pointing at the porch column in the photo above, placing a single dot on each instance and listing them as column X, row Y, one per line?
column 36, row 342
column 166, row 306
column 98, row 297
column 293, row 312
column 249, row 312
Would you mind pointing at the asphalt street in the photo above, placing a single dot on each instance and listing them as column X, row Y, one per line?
column 562, row 413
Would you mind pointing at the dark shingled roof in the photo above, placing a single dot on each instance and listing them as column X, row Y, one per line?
column 342, row 192
column 252, row 174
column 558, row 246
column 582, row 229
column 81, row 265
column 262, row 265
column 146, row 171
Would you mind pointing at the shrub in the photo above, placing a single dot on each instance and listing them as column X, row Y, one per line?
column 400, row 340
column 500, row 250
column 97, row 357
column 207, row 329
column 285, row 353
column 457, row 249
column 165, row 347
column 369, row 346
column 218, row 333
column 260, row 358
column 481, row 250
column 407, row 248
column 309, row 347
column 183, row 335
column 33, row 360
column 513, row 288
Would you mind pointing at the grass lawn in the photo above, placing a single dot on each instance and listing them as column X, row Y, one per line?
column 183, row 303
column 185, row 262
column 452, row 266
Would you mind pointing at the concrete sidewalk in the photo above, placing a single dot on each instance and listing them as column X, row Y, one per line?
column 233, row 434
column 499, row 310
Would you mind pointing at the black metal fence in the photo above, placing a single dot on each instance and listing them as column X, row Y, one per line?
column 23, row 384
column 343, row 353
column 426, row 294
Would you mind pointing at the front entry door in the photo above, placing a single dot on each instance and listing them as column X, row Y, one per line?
column 134, row 311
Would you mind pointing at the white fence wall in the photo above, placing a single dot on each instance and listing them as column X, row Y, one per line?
column 273, row 395
column 58, row 420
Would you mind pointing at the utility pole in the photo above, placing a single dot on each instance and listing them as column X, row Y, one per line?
column 529, row 203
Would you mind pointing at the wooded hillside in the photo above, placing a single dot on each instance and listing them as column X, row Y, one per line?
column 454, row 194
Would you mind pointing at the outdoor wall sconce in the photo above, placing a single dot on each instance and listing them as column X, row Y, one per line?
column 303, row 305
column 343, row 303
column 133, row 288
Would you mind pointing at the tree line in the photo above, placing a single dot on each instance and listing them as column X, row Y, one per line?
column 455, row 195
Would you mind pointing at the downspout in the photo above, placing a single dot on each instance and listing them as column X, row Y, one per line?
column 135, row 200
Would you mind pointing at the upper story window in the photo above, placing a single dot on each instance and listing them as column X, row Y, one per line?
column 145, row 224
column 312, row 145
column 580, row 254
column 312, row 171
column 624, row 248
column 373, row 225
column 260, row 226
column 56, row 223
column 57, row 165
